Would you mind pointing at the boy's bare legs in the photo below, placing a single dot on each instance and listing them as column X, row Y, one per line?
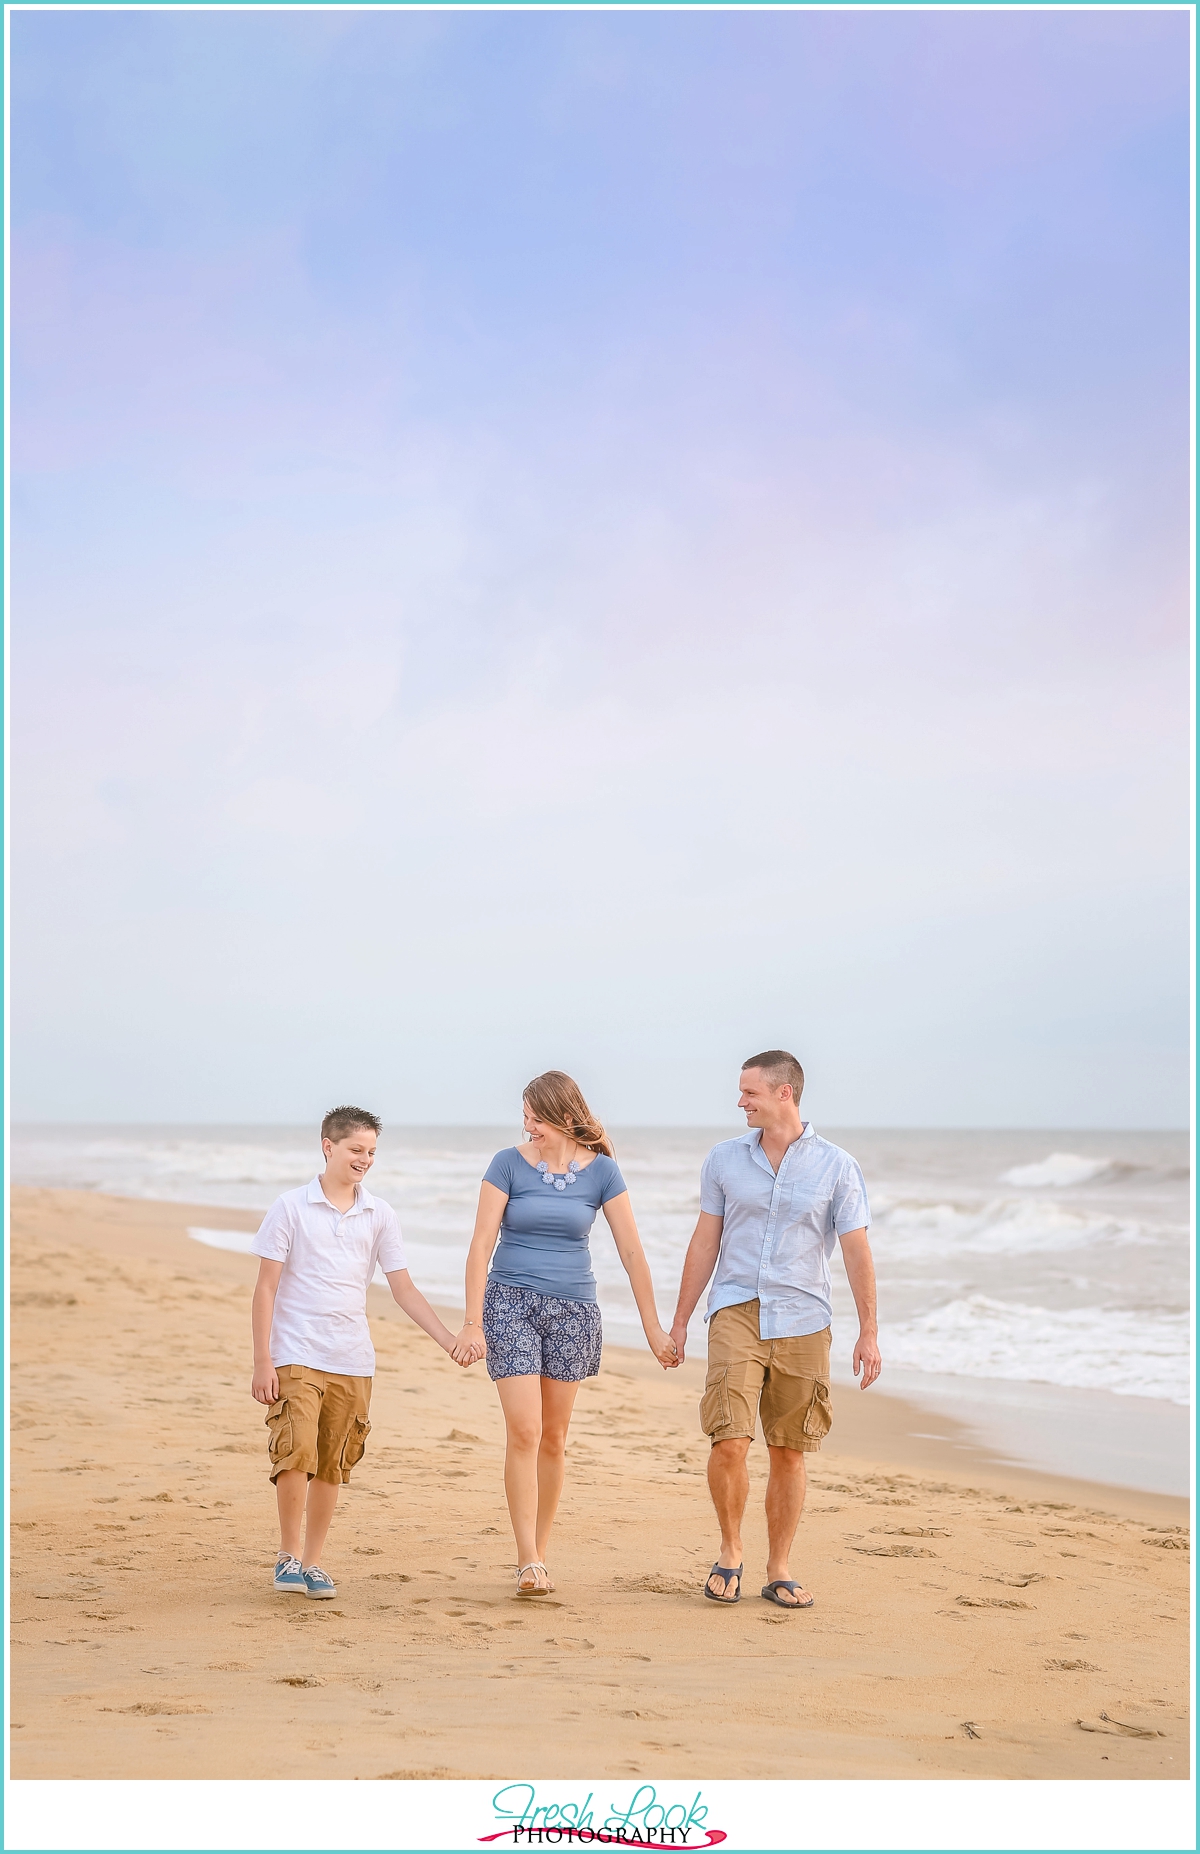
column 318, row 1517
column 729, row 1485
column 311, row 1502
column 291, row 1488
column 558, row 1400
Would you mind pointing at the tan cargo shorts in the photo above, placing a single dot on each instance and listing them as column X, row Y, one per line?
column 784, row 1381
column 319, row 1423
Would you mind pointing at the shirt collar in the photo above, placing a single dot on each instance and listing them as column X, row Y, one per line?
column 362, row 1198
column 752, row 1140
column 754, row 1136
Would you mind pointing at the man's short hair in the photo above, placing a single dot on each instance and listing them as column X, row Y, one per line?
column 779, row 1066
column 340, row 1122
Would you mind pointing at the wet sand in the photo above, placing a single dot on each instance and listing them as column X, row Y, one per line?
column 972, row 1619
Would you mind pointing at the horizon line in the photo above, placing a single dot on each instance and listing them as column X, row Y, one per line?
column 627, row 1126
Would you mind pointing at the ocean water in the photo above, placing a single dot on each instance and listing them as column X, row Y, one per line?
column 1027, row 1258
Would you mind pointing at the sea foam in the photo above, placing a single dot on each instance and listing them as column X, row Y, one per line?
column 1001, row 1226
column 1133, row 1353
column 1060, row 1170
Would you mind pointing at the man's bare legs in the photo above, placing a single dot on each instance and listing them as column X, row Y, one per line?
column 312, row 1502
column 537, row 1412
column 786, row 1487
column 729, row 1485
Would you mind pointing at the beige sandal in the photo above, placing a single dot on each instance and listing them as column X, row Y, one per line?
column 538, row 1589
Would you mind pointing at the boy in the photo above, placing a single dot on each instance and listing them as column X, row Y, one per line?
column 313, row 1358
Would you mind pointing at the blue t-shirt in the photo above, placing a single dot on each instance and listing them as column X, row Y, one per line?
column 544, row 1235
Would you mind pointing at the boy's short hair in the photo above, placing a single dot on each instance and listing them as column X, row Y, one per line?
column 340, row 1122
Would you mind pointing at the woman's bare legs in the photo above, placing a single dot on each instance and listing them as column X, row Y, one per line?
column 558, row 1400
column 537, row 1412
column 521, row 1401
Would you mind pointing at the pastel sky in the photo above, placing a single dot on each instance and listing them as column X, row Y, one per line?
column 603, row 540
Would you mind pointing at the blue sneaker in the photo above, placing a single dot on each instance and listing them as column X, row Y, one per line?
column 317, row 1583
column 288, row 1574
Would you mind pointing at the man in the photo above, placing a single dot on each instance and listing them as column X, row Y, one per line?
column 772, row 1204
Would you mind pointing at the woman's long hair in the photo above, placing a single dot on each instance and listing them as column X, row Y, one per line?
column 556, row 1099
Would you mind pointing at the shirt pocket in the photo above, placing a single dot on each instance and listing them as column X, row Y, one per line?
column 814, row 1205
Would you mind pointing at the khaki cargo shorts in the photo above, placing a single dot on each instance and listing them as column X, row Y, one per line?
column 319, row 1423
column 784, row 1381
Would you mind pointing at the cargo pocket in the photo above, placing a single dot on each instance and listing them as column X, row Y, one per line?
column 355, row 1443
column 714, row 1405
column 279, row 1426
column 818, row 1418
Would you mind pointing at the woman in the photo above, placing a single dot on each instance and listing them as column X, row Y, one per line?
column 535, row 1316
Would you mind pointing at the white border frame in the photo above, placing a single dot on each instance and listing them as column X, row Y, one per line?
column 919, row 1814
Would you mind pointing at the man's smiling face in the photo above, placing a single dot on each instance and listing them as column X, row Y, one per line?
column 756, row 1093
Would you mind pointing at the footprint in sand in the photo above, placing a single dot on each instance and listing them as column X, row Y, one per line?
column 913, row 1532
column 430, row 1773
column 1115, row 1729
column 894, row 1551
column 151, row 1709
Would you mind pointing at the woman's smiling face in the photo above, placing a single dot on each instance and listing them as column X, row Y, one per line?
column 536, row 1131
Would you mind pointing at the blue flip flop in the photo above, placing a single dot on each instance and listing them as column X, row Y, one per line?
column 727, row 1576
column 784, row 1583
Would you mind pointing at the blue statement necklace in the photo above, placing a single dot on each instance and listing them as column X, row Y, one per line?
column 560, row 1184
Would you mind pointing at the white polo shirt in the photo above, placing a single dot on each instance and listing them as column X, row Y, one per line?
column 329, row 1257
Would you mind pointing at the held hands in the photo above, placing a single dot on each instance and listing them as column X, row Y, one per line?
column 663, row 1347
column 264, row 1385
column 866, row 1354
column 469, row 1347
column 679, row 1335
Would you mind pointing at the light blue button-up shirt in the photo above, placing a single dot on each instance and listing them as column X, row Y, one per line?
column 780, row 1227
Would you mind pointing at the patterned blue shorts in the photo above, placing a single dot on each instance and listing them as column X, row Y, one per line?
column 539, row 1335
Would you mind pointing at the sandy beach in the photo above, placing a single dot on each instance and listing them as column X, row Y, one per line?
column 971, row 1619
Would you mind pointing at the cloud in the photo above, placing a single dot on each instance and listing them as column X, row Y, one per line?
column 654, row 534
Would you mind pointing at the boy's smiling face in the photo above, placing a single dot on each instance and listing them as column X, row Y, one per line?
column 347, row 1161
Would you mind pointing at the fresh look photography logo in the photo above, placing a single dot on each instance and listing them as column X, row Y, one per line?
column 646, row 1821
